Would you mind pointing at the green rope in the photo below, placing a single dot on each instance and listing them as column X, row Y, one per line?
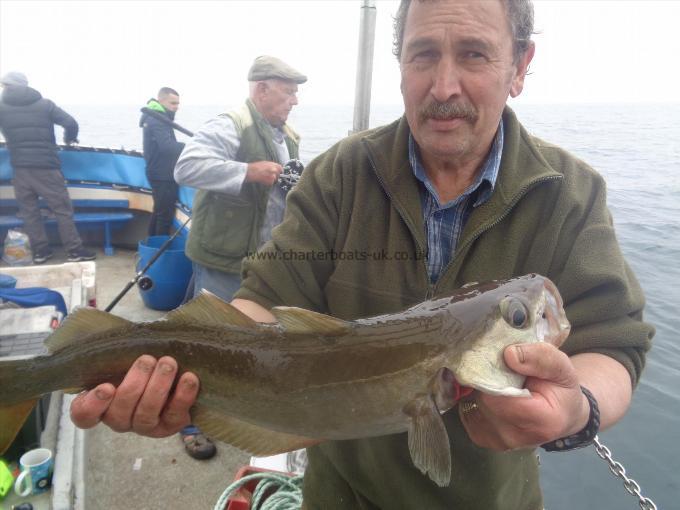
column 287, row 495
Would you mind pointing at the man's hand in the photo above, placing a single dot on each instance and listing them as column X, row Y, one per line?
column 264, row 172
column 142, row 402
column 556, row 408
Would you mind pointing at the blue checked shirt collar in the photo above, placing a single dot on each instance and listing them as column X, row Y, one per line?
column 444, row 223
column 489, row 172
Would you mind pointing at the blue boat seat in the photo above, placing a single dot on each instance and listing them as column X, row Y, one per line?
column 104, row 218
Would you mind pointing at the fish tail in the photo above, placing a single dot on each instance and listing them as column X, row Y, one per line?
column 12, row 418
column 13, row 414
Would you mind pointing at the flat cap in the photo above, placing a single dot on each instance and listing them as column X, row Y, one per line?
column 14, row 78
column 266, row 67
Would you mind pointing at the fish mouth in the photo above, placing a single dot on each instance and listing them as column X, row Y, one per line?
column 552, row 325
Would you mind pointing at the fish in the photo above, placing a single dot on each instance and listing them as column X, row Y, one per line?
column 269, row 388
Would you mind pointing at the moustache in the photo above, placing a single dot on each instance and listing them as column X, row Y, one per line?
column 448, row 111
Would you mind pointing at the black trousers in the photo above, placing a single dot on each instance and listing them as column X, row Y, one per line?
column 164, row 198
column 29, row 185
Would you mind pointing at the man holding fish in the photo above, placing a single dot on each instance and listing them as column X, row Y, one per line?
column 459, row 186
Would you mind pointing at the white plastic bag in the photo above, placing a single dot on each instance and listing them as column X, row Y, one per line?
column 17, row 248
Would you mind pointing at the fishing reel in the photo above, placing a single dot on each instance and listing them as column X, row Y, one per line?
column 290, row 175
column 145, row 283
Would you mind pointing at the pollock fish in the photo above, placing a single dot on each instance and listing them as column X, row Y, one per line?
column 309, row 378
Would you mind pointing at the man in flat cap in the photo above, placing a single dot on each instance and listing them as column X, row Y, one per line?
column 234, row 161
column 27, row 123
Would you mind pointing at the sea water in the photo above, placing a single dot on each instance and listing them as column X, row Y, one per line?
column 636, row 147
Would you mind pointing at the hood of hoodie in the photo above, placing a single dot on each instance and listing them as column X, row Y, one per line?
column 153, row 104
column 14, row 95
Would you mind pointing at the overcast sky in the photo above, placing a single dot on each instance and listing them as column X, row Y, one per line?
column 121, row 52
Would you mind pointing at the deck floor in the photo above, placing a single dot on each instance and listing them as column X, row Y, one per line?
column 165, row 477
column 127, row 471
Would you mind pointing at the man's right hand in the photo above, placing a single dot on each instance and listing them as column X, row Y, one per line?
column 264, row 172
column 142, row 403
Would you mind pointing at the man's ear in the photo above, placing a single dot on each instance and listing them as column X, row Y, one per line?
column 262, row 87
column 521, row 70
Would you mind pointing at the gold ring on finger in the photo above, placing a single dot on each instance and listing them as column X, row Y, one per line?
column 468, row 406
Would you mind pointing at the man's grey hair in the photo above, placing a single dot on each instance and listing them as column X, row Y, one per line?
column 520, row 16
column 252, row 86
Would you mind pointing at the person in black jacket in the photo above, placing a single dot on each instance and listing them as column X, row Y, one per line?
column 161, row 151
column 27, row 123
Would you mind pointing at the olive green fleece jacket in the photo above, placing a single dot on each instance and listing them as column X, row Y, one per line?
column 547, row 215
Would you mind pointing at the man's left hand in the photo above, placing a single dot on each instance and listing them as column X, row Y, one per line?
column 556, row 408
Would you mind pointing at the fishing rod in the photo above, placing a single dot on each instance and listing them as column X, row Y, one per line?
column 141, row 272
column 143, row 283
column 159, row 116
column 289, row 176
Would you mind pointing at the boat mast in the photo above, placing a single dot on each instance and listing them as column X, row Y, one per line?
column 362, row 95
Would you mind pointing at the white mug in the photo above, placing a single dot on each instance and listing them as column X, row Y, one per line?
column 36, row 470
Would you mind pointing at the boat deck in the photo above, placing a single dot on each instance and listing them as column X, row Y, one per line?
column 123, row 471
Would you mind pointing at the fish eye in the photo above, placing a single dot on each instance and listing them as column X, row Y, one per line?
column 514, row 312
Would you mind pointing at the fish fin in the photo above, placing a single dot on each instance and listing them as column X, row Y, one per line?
column 253, row 439
column 428, row 440
column 301, row 321
column 209, row 309
column 12, row 418
column 81, row 324
column 74, row 390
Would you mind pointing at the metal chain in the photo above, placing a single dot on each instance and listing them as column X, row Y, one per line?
column 619, row 471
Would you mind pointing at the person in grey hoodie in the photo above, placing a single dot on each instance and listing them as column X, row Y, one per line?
column 27, row 123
